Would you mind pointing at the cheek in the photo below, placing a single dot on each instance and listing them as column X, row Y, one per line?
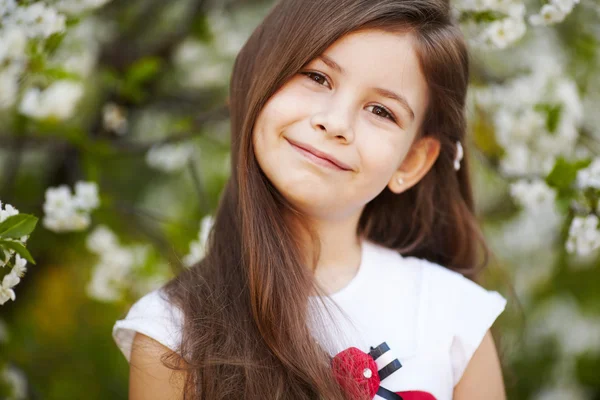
column 262, row 142
column 381, row 158
column 268, row 142
column 286, row 107
column 275, row 116
column 267, row 128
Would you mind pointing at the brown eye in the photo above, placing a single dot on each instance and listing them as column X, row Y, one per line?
column 315, row 76
column 382, row 112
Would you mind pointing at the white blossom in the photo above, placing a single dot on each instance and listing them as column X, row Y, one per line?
column 589, row 177
column 7, row 7
column 57, row 101
column 86, row 196
column 6, row 294
column 533, row 195
column 79, row 51
column 104, row 286
column 516, row 10
column 38, row 20
column 9, row 281
column 190, row 51
column 533, row 267
column 9, row 86
column 114, row 118
column 151, row 125
column 565, row 5
column 584, row 235
column 560, row 393
column 169, row 157
column 503, row 6
column 504, row 32
column 101, row 240
column 6, row 212
column 530, row 232
column 70, row 222
column 199, row 64
column 16, row 381
column 198, row 247
column 112, row 274
column 74, row 7
column 561, row 317
column 58, row 199
column 565, row 92
column 521, row 124
column 109, row 275
column 230, row 30
column 563, row 382
column 549, row 14
column 13, row 41
column 19, row 268
column 81, row 62
column 64, row 211
column 499, row 33
column 12, row 64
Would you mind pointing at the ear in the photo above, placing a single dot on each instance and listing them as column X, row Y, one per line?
column 416, row 164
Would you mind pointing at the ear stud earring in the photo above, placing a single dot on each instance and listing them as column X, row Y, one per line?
column 400, row 181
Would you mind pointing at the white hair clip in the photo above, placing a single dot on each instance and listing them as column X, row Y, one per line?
column 459, row 155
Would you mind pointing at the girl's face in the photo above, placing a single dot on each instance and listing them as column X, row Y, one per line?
column 336, row 134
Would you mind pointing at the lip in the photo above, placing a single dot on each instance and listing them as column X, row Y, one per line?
column 329, row 160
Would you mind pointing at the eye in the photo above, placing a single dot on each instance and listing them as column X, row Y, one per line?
column 316, row 77
column 383, row 112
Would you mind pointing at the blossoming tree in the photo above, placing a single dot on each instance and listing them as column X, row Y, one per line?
column 115, row 133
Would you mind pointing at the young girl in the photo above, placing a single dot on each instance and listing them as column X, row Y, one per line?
column 336, row 265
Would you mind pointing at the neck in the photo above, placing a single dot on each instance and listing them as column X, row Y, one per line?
column 340, row 252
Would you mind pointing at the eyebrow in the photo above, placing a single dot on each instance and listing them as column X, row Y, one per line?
column 399, row 98
column 382, row 92
column 331, row 64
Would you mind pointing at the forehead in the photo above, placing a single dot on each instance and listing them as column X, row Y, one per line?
column 379, row 59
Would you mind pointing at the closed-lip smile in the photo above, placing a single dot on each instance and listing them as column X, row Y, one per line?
column 319, row 154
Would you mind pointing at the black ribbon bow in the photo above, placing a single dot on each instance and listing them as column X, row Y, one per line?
column 386, row 371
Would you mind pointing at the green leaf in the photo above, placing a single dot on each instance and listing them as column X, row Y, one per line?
column 53, row 42
column 553, row 118
column 480, row 17
column 54, row 74
column 201, row 28
column 553, row 113
column 564, row 173
column 143, row 70
column 18, row 248
column 17, row 226
column 137, row 77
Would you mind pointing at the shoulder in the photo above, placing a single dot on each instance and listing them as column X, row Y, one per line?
column 154, row 316
column 462, row 309
column 441, row 284
column 449, row 288
column 484, row 366
column 149, row 377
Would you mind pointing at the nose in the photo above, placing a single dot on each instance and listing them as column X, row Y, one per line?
column 335, row 121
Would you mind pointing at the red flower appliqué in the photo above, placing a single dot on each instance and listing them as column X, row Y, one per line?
column 357, row 373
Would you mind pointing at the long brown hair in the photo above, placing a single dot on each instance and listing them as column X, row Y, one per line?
column 245, row 334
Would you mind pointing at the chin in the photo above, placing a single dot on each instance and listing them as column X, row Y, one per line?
column 314, row 200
